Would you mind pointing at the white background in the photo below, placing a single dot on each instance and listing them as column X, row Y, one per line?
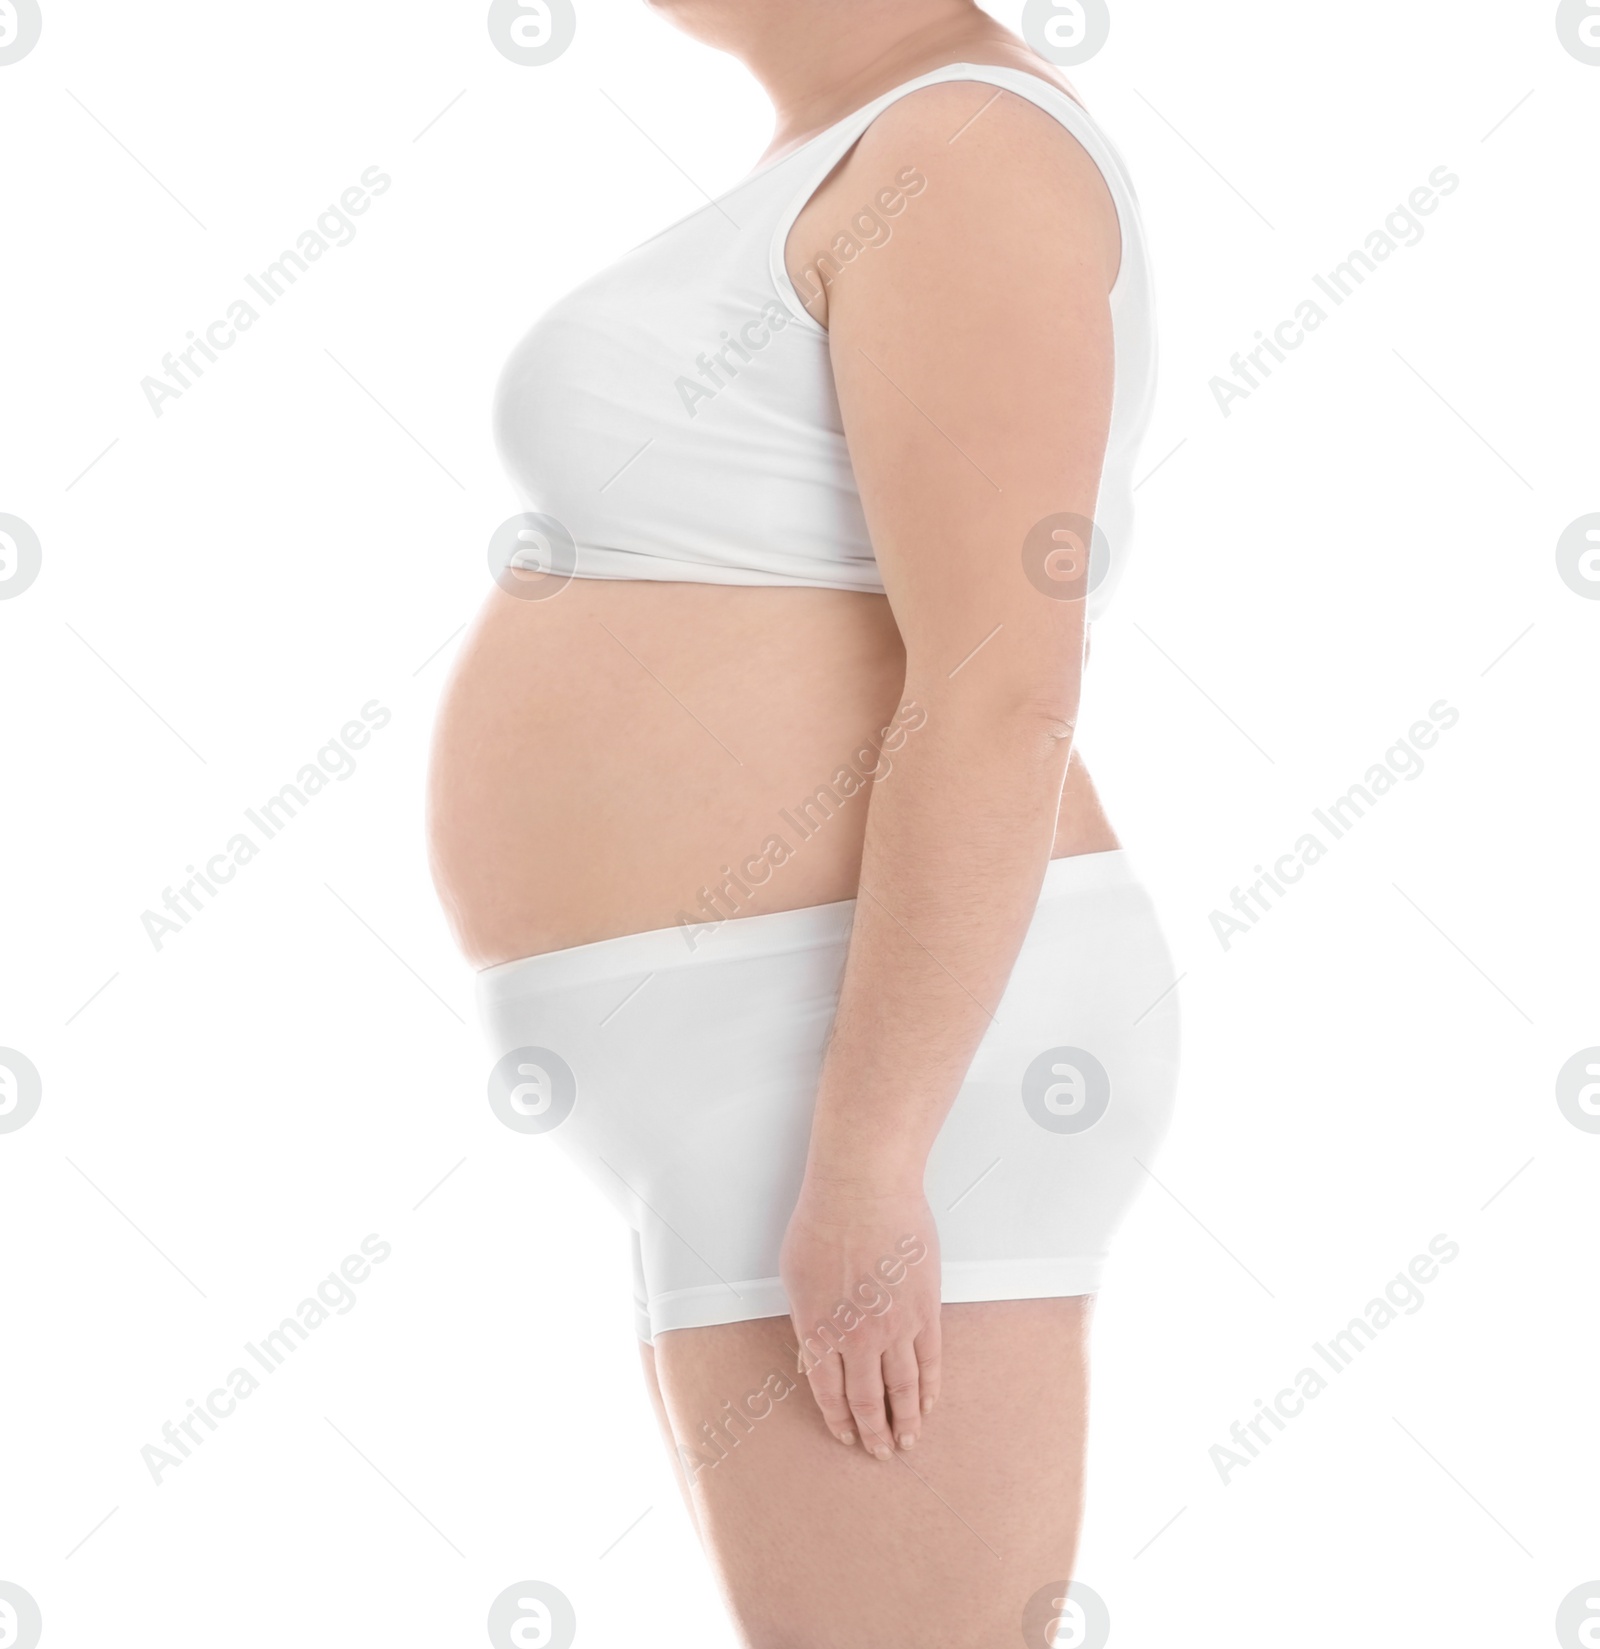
column 223, row 587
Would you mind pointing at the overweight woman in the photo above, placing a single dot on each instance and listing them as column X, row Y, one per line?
column 798, row 922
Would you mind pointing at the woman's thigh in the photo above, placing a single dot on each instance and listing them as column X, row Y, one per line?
column 944, row 1546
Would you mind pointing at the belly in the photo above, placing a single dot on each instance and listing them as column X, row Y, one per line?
column 630, row 755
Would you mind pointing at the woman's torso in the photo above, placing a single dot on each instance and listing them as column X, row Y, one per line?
column 648, row 745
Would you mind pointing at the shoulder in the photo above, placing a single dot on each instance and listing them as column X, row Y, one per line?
column 972, row 118
column 963, row 164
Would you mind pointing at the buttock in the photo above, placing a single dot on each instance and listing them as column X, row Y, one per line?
column 678, row 1070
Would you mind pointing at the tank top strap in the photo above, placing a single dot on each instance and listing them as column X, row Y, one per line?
column 803, row 172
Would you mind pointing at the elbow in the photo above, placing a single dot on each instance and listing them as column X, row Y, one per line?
column 1005, row 713
column 1056, row 720
column 1038, row 702
column 1059, row 725
column 1028, row 692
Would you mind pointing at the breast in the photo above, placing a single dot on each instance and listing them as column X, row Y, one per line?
column 682, row 424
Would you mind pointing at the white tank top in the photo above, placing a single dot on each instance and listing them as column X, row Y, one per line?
column 675, row 418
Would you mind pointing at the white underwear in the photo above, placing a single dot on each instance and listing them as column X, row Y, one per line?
column 682, row 1082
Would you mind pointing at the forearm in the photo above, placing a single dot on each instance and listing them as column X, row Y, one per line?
column 958, row 836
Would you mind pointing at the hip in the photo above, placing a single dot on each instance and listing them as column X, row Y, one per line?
column 679, row 1072
column 756, row 995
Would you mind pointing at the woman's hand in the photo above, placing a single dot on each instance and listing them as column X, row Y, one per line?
column 861, row 1267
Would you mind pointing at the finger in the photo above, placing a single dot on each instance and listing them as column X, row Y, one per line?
column 863, row 1390
column 928, row 1347
column 826, row 1378
column 901, row 1380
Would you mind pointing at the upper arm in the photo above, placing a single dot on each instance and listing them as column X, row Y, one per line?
column 971, row 345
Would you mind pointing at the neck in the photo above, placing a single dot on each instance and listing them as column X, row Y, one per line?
column 820, row 59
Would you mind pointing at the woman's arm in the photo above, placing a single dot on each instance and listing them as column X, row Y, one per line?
column 973, row 356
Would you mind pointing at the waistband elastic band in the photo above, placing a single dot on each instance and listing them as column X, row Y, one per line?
column 768, row 934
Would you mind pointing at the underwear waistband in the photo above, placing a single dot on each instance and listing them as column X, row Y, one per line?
column 772, row 933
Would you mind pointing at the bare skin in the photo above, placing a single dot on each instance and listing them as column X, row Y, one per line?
column 815, row 1545
column 602, row 756
column 598, row 758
